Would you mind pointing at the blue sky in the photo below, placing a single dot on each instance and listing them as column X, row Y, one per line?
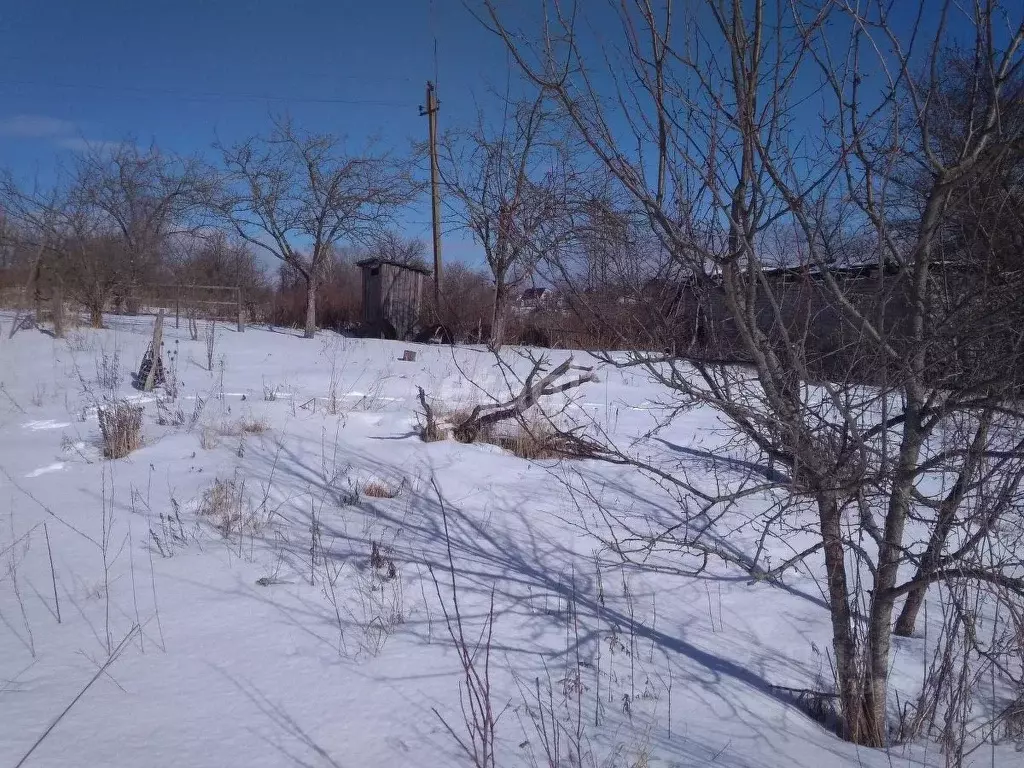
column 187, row 72
column 184, row 73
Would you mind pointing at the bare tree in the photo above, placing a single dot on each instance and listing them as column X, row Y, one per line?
column 903, row 485
column 504, row 189
column 80, row 250
column 32, row 218
column 466, row 305
column 297, row 196
column 392, row 246
column 8, row 239
column 218, row 258
column 144, row 196
column 90, row 264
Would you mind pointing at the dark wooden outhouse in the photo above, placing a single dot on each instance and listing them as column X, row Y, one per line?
column 392, row 293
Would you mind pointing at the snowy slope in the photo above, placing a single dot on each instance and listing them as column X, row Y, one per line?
column 285, row 645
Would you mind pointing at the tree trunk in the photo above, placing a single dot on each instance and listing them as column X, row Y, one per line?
column 843, row 645
column 310, row 308
column 96, row 315
column 907, row 620
column 876, row 672
column 890, row 554
column 38, row 295
column 498, row 316
column 58, row 310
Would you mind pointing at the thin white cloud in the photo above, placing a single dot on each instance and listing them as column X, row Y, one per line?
column 78, row 144
column 35, row 127
column 63, row 133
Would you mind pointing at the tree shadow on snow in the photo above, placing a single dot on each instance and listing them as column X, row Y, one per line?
column 539, row 581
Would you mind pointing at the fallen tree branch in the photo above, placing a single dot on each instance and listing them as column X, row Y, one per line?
column 534, row 388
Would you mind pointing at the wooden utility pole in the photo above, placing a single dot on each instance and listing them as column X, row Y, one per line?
column 435, row 190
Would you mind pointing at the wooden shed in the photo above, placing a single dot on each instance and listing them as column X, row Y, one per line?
column 392, row 293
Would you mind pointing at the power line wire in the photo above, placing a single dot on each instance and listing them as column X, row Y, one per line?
column 206, row 96
column 8, row 60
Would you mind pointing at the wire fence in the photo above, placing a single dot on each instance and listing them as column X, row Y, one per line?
column 190, row 302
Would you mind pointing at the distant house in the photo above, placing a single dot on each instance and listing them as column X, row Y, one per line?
column 534, row 298
column 392, row 296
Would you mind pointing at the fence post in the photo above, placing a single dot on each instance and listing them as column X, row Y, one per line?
column 155, row 345
column 177, row 308
column 241, row 317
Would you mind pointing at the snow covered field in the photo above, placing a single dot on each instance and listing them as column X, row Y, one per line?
column 292, row 615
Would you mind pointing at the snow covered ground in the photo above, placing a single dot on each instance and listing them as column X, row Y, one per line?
column 312, row 633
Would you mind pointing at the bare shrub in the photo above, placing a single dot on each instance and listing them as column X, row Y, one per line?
column 429, row 433
column 208, row 439
column 197, row 412
column 108, row 370
column 373, row 399
column 170, row 532
column 382, row 609
column 380, row 594
column 166, row 416
column 479, row 714
column 78, row 342
column 1013, row 723
column 171, row 382
column 211, row 343
column 980, row 638
column 381, row 561
column 269, row 392
column 121, row 428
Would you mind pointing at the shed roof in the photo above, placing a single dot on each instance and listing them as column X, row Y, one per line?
column 375, row 262
column 534, row 293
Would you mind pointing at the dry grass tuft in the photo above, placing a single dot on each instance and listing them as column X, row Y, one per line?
column 378, row 489
column 535, row 439
column 229, row 509
column 210, row 436
column 250, row 425
column 220, row 504
column 246, row 425
column 121, row 428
